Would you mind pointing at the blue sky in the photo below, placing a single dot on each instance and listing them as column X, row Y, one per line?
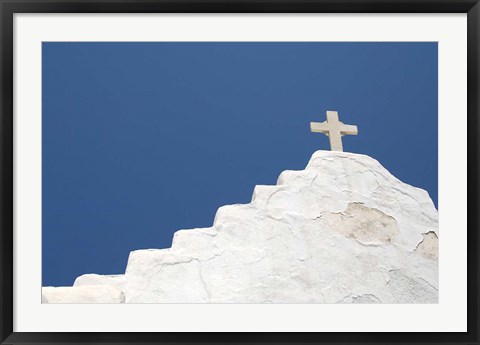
column 143, row 139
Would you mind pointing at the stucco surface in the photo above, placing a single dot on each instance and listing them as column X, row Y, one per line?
column 343, row 230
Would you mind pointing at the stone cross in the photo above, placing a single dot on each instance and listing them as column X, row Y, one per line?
column 334, row 129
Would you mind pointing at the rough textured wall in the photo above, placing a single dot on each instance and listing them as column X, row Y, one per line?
column 344, row 230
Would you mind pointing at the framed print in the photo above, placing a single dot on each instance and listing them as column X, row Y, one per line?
column 239, row 172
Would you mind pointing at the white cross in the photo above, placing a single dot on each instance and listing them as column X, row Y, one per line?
column 334, row 129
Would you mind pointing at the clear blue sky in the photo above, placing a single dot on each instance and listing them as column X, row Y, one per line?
column 143, row 139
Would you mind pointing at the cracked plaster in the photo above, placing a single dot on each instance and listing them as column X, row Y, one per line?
column 343, row 230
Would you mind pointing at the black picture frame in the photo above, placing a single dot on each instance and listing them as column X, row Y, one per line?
column 10, row 7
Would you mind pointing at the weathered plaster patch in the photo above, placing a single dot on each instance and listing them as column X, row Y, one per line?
column 428, row 247
column 369, row 226
column 409, row 289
